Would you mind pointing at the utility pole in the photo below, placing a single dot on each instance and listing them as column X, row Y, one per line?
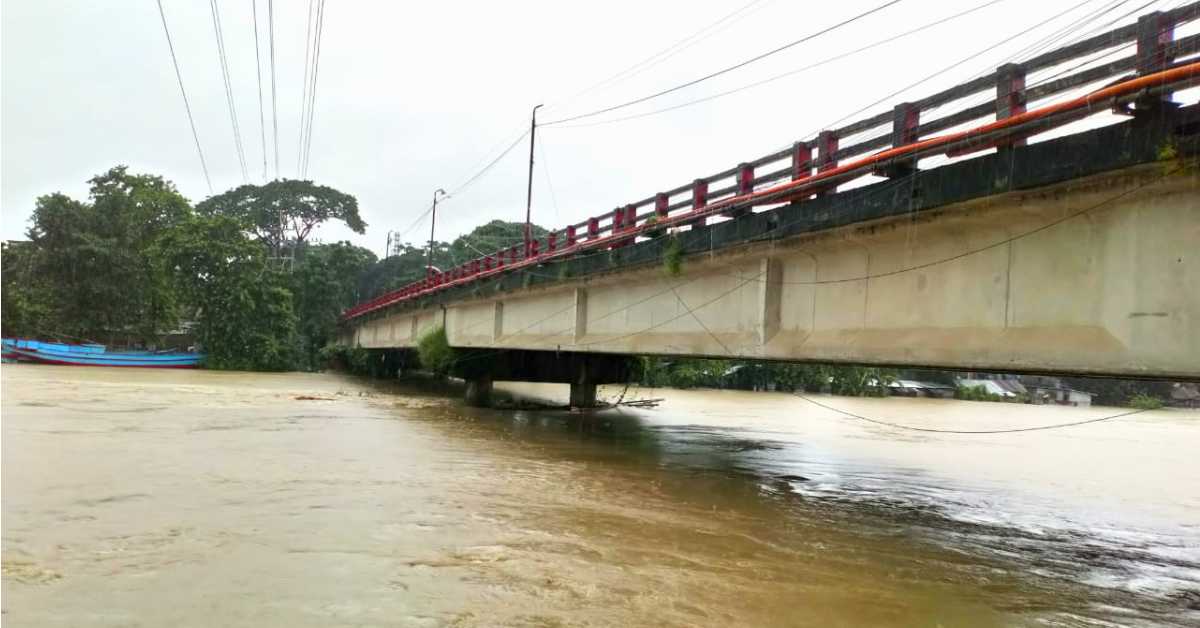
column 432, row 223
column 387, row 249
column 529, row 187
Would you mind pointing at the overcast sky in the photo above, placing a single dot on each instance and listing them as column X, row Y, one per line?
column 413, row 96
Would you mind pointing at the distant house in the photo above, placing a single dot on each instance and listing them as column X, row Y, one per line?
column 914, row 388
column 1044, row 390
column 1185, row 395
column 1059, row 395
column 1005, row 388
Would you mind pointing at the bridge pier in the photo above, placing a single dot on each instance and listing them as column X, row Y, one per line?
column 583, row 388
column 479, row 391
column 582, row 371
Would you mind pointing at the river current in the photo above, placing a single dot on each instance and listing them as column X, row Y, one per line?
column 191, row 498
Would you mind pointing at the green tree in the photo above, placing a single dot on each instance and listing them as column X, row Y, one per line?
column 405, row 266
column 95, row 260
column 245, row 316
column 489, row 238
column 284, row 211
column 25, row 306
column 324, row 283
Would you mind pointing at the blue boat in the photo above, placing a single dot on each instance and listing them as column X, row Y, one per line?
column 95, row 355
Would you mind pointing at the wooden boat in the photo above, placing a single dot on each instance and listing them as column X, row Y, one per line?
column 95, row 355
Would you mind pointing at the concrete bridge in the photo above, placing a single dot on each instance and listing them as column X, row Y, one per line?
column 1079, row 254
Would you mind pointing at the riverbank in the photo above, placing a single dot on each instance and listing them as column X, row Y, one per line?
column 202, row 498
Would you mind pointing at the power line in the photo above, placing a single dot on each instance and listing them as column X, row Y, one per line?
column 475, row 177
column 274, row 100
column 237, row 132
column 665, row 53
column 304, row 92
column 187, row 107
column 728, row 69
column 262, row 125
column 546, row 169
column 955, row 65
column 312, row 91
column 799, row 70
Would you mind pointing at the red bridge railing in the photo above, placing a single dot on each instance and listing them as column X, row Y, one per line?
column 1159, row 65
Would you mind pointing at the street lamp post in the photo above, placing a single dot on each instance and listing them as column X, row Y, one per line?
column 432, row 223
column 529, row 187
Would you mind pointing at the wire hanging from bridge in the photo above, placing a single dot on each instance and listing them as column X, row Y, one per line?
column 912, row 428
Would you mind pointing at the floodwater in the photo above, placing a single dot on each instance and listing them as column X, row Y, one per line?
column 176, row 498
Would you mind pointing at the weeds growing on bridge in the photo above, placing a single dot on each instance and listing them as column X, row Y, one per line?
column 673, row 257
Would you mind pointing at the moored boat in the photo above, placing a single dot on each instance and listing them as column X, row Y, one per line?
column 95, row 355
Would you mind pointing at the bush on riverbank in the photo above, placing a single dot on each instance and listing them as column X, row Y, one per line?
column 345, row 358
column 435, row 353
column 1145, row 402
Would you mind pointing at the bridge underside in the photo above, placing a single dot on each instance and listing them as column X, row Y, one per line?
column 1076, row 255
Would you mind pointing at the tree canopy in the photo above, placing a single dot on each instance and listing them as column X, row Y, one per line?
column 284, row 211
column 244, row 309
column 96, row 260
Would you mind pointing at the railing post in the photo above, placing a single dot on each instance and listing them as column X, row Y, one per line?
column 699, row 198
column 618, row 225
column 1010, row 97
column 514, row 254
column 660, row 206
column 1154, row 33
column 802, row 164
column 571, row 239
column 593, row 228
column 533, row 248
column 906, row 118
column 552, row 242
column 827, row 145
column 745, row 185
column 630, row 222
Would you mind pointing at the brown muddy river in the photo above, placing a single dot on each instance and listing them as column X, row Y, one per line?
column 159, row 498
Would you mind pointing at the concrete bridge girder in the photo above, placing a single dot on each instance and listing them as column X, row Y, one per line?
column 1017, row 281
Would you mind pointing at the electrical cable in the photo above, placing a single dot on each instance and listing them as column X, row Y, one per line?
column 783, row 75
column 728, row 69
column 664, row 54
column 274, row 100
column 1036, row 428
column 224, row 62
column 475, row 177
column 186, row 106
column 312, row 92
column 546, row 170
column 262, row 124
column 304, row 87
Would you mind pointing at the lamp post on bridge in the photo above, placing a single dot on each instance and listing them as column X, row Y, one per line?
column 529, row 187
column 432, row 223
